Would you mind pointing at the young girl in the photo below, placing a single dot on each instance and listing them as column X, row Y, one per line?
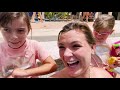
column 103, row 27
column 18, row 55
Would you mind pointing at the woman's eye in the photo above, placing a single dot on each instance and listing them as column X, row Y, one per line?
column 61, row 47
column 76, row 46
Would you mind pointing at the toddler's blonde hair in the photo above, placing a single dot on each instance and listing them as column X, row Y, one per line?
column 104, row 21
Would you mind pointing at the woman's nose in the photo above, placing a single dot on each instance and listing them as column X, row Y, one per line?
column 68, row 52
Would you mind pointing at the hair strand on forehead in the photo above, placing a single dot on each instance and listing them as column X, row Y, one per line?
column 80, row 26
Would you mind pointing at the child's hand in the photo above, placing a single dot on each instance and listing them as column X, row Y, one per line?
column 112, row 62
column 117, row 63
column 19, row 73
column 10, row 76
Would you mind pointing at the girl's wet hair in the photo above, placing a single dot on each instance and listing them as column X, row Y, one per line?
column 8, row 17
column 83, row 27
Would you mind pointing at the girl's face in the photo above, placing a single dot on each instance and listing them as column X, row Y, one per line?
column 102, row 34
column 75, row 52
column 15, row 33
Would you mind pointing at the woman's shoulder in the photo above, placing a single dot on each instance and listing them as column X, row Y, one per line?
column 96, row 72
column 60, row 74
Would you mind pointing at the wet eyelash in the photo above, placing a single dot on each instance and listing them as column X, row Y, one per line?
column 6, row 29
column 77, row 46
column 20, row 30
column 61, row 47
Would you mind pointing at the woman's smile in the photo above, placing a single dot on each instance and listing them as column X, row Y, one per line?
column 73, row 64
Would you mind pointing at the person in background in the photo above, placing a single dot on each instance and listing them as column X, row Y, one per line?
column 39, row 15
column 115, row 14
column 73, row 15
column 36, row 16
column 86, row 16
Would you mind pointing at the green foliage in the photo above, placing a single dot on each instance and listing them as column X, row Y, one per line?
column 49, row 15
column 56, row 15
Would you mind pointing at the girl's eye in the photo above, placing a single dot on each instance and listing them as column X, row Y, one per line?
column 21, row 31
column 6, row 29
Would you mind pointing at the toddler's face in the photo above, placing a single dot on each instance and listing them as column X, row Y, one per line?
column 102, row 34
column 15, row 33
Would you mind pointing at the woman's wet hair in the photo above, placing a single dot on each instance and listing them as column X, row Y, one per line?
column 83, row 27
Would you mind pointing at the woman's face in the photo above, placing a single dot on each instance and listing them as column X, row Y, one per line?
column 15, row 33
column 75, row 52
